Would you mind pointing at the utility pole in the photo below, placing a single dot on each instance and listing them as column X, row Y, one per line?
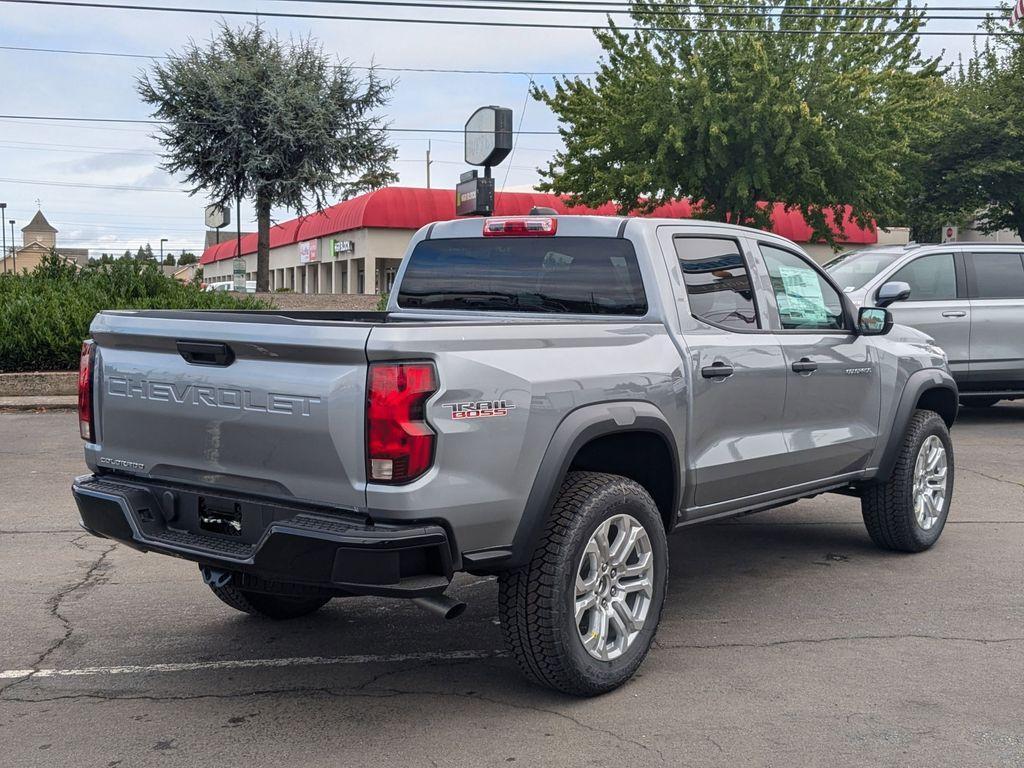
column 14, row 253
column 429, row 161
column 3, row 231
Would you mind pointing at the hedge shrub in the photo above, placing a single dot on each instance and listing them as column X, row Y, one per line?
column 45, row 315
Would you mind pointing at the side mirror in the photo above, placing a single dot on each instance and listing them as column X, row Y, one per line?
column 891, row 292
column 874, row 321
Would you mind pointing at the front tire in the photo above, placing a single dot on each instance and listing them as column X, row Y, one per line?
column 908, row 512
column 581, row 616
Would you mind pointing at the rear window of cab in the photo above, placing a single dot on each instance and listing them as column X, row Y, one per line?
column 562, row 275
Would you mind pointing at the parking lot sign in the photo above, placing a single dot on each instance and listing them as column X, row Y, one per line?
column 238, row 274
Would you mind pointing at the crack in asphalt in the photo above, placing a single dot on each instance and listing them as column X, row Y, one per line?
column 15, row 532
column 857, row 523
column 346, row 693
column 991, row 477
column 92, row 576
column 842, row 638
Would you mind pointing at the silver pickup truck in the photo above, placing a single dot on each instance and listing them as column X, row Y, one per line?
column 544, row 400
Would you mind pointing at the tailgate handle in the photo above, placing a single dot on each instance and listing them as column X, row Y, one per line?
column 206, row 353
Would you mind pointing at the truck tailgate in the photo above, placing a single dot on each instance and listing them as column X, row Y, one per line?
column 253, row 403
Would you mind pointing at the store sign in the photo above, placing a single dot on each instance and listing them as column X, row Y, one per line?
column 488, row 136
column 474, row 196
column 343, row 246
column 238, row 274
column 217, row 216
column 307, row 251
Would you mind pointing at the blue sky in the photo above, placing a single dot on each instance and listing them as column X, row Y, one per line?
column 60, row 154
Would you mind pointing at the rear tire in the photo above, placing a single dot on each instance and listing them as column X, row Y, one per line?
column 979, row 402
column 277, row 607
column 908, row 512
column 581, row 616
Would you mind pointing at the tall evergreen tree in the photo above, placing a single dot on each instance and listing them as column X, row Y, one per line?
column 250, row 116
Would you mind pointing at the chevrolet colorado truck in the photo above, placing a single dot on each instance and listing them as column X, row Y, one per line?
column 545, row 399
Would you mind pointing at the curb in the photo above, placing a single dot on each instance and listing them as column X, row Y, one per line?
column 39, row 403
column 38, row 384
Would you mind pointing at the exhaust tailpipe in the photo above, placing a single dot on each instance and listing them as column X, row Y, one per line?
column 442, row 605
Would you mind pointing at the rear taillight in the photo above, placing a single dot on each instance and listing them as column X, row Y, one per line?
column 532, row 226
column 85, row 366
column 399, row 442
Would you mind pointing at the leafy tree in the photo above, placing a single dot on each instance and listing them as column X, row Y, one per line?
column 798, row 111
column 974, row 170
column 187, row 258
column 250, row 116
column 169, row 260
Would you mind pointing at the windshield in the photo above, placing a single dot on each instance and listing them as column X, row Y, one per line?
column 854, row 269
column 585, row 275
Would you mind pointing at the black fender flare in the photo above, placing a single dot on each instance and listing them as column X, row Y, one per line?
column 917, row 384
column 577, row 429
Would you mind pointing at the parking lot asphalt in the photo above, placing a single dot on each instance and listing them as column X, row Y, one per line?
column 787, row 640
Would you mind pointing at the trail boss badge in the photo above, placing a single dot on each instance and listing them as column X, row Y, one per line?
column 482, row 409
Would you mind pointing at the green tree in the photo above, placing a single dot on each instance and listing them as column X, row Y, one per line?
column 250, row 116
column 187, row 258
column 974, row 170
column 800, row 111
column 169, row 260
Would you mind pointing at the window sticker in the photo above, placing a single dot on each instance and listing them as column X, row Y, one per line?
column 555, row 260
column 801, row 300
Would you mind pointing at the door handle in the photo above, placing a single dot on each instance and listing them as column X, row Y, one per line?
column 955, row 313
column 805, row 365
column 206, row 353
column 716, row 371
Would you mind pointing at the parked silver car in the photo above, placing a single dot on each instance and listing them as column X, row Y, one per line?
column 969, row 297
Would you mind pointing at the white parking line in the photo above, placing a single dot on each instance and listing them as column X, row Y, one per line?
column 298, row 661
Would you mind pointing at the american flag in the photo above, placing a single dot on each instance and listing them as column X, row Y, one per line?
column 1017, row 14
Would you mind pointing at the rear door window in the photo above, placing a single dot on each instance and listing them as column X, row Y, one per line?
column 578, row 275
column 717, row 282
column 996, row 275
column 931, row 278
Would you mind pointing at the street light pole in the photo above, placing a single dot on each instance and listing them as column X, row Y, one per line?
column 429, row 163
column 3, row 231
column 14, row 253
column 162, row 241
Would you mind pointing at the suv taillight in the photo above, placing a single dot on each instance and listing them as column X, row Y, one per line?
column 399, row 442
column 85, row 366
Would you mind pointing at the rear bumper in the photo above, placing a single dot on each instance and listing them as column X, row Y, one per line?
column 338, row 552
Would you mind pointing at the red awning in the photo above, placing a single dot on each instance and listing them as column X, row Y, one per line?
column 411, row 208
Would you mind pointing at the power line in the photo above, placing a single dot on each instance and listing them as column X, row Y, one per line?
column 107, row 151
column 94, row 151
column 140, row 121
column 424, row 70
column 83, row 185
column 499, row 24
column 621, row 8
column 713, row 6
